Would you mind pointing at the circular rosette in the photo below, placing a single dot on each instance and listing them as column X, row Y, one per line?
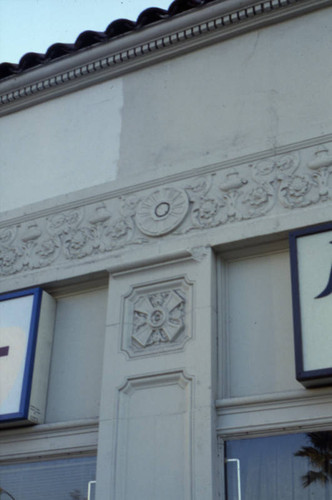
column 162, row 211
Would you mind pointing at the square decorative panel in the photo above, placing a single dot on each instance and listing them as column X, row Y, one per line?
column 157, row 317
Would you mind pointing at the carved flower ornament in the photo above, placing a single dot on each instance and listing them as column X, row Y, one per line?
column 7, row 258
column 119, row 229
column 298, row 186
column 208, row 208
column 258, row 196
column 162, row 211
column 79, row 243
column 158, row 318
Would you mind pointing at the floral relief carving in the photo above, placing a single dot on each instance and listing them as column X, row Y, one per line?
column 259, row 199
column 120, row 231
column 47, row 249
column 65, row 222
column 321, row 168
column 34, row 249
column 9, row 261
column 7, row 235
column 79, row 243
column 207, row 204
column 70, row 235
column 284, row 182
column 156, row 318
column 206, row 212
column 232, row 189
column 293, row 191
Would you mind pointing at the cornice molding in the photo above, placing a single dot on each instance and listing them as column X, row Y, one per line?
column 184, row 33
column 274, row 413
column 274, row 400
column 49, row 440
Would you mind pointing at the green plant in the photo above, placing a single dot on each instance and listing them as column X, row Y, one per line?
column 5, row 492
column 319, row 454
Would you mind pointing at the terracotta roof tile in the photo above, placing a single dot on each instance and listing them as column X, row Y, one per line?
column 90, row 38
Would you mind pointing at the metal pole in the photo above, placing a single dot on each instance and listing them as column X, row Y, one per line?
column 90, row 483
column 238, row 475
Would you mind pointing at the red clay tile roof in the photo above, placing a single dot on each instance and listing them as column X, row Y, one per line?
column 90, row 38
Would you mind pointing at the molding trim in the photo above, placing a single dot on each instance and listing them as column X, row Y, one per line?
column 274, row 413
column 198, row 204
column 186, row 32
column 49, row 441
column 236, row 404
column 112, row 190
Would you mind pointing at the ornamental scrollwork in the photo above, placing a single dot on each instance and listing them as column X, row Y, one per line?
column 33, row 250
column 10, row 261
column 64, row 222
column 7, row 235
column 207, row 212
column 230, row 194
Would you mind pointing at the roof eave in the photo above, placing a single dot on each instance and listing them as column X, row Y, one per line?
column 156, row 42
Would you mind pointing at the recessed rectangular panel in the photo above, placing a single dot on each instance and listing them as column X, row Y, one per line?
column 311, row 259
column 259, row 357
column 20, row 314
column 154, row 438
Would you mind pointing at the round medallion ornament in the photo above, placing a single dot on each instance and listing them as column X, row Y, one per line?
column 157, row 318
column 162, row 211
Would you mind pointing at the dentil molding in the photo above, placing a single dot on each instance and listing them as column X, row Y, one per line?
column 226, row 195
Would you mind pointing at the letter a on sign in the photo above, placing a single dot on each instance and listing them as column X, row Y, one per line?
column 311, row 265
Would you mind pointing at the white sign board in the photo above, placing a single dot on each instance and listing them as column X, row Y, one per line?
column 26, row 329
column 311, row 263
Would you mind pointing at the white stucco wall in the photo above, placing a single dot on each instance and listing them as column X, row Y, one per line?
column 146, row 178
column 76, row 365
column 258, row 91
column 60, row 146
column 259, row 337
column 251, row 93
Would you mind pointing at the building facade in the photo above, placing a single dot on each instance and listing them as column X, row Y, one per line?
column 148, row 183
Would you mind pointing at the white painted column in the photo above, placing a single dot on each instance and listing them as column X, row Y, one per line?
column 157, row 417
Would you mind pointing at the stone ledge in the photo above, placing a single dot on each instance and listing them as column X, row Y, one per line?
column 49, row 440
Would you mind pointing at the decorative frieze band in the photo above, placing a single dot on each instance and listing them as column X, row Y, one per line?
column 273, row 185
column 215, row 22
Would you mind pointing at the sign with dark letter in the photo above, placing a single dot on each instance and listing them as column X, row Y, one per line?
column 311, row 265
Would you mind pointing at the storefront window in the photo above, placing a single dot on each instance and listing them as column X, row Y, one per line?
column 66, row 479
column 287, row 467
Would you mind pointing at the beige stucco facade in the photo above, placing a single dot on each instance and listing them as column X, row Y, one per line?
column 152, row 196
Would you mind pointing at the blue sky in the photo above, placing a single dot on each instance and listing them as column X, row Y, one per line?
column 34, row 25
